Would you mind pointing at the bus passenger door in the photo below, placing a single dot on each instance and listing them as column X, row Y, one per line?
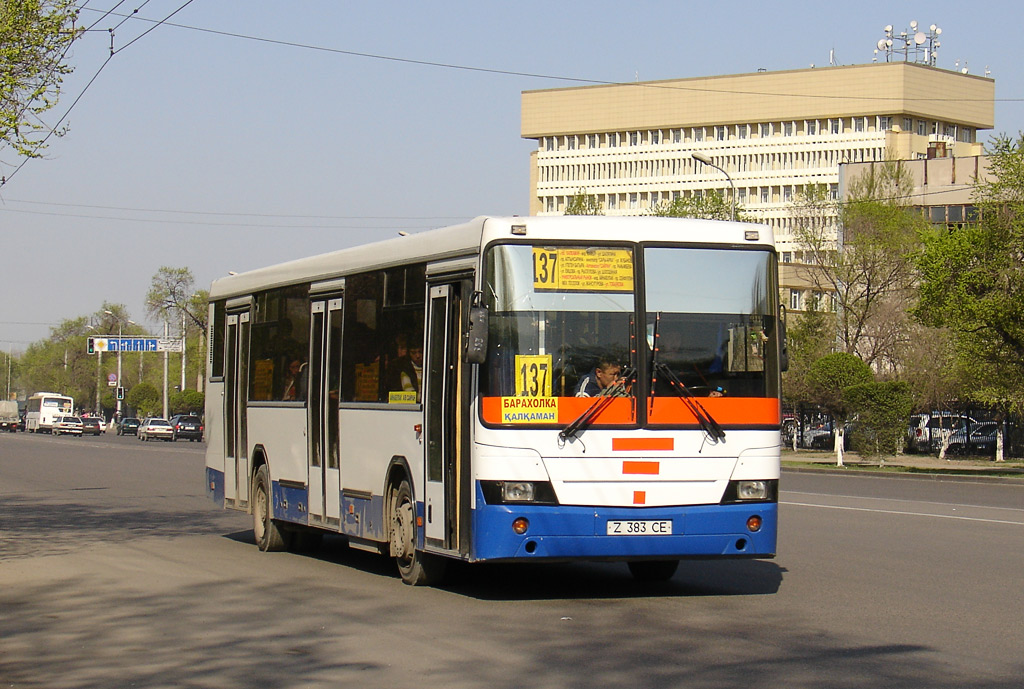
column 443, row 417
column 324, row 374
column 236, row 387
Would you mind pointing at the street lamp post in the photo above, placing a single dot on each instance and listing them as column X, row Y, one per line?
column 707, row 161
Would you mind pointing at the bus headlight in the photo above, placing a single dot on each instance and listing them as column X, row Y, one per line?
column 518, row 491
column 751, row 491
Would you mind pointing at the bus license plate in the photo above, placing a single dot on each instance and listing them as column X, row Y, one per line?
column 635, row 527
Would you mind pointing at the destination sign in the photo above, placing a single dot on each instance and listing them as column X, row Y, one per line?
column 582, row 270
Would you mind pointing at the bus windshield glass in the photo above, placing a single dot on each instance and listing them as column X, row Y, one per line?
column 559, row 315
column 714, row 314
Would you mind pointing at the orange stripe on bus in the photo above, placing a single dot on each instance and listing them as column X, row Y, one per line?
column 640, row 444
column 639, row 497
column 649, row 468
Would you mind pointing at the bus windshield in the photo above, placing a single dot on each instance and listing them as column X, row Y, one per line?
column 563, row 327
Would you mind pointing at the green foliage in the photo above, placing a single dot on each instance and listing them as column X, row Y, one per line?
column 972, row 279
column 810, row 336
column 145, row 399
column 710, row 206
column 882, row 410
column 186, row 402
column 583, row 203
column 830, row 376
column 35, row 36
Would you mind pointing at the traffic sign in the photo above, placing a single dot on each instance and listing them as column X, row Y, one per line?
column 134, row 344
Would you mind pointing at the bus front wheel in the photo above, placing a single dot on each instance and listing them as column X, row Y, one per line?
column 416, row 567
column 268, row 535
column 653, row 570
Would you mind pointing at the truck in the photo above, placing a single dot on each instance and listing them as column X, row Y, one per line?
column 10, row 417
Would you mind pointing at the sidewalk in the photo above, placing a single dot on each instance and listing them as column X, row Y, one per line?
column 912, row 464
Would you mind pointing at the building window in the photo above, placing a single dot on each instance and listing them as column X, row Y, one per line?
column 811, row 127
column 570, row 142
column 967, row 135
column 677, row 136
column 613, row 140
column 634, row 200
column 766, row 130
column 634, row 138
column 741, row 195
column 655, row 137
column 720, row 133
column 787, row 194
column 908, row 124
column 698, row 133
column 859, row 124
column 591, row 140
column 549, row 142
column 613, row 201
column 949, row 130
column 794, row 300
column 884, row 123
column 835, row 125
column 787, row 256
column 787, row 129
column 742, row 131
column 922, row 128
column 551, row 204
column 833, row 191
column 765, row 195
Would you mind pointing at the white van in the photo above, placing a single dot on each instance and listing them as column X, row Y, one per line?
column 924, row 433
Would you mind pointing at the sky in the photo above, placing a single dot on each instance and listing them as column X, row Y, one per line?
column 243, row 133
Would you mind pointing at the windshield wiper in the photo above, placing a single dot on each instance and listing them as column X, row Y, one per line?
column 706, row 421
column 620, row 388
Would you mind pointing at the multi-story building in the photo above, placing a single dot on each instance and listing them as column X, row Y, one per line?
column 632, row 145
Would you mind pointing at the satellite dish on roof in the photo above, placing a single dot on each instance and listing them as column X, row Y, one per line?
column 881, row 44
column 913, row 24
column 920, row 38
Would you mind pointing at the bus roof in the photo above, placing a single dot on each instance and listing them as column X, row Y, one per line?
column 467, row 239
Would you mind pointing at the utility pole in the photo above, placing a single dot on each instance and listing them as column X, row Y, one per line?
column 183, row 347
column 165, row 371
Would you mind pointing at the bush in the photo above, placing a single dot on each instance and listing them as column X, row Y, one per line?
column 882, row 411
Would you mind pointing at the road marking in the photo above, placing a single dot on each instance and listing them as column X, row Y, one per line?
column 920, row 502
column 910, row 514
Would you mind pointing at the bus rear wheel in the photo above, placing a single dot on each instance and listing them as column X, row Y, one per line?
column 269, row 537
column 653, row 570
column 415, row 567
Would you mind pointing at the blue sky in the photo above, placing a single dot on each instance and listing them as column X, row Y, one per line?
column 209, row 151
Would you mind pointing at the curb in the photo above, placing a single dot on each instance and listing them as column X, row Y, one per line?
column 938, row 475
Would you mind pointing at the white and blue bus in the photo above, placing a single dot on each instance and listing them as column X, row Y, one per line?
column 422, row 396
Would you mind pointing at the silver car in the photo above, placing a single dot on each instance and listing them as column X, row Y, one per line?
column 156, row 428
column 67, row 425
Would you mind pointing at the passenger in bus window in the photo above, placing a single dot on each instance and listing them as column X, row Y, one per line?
column 598, row 380
column 405, row 373
column 295, row 381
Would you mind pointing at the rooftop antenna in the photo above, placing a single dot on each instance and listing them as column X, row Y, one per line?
column 914, row 44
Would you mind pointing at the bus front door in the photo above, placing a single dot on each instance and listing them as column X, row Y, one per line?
column 324, row 373
column 236, row 385
column 444, row 417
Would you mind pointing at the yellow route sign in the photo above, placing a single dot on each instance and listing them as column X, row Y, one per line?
column 582, row 270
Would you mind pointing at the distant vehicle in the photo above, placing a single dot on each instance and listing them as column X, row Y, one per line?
column 924, row 434
column 43, row 408
column 92, row 425
column 156, row 428
column 9, row 415
column 128, row 426
column 187, row 426
column 67, row 425
column 980, row 441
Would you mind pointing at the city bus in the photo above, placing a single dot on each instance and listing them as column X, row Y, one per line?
column 43, row 408
column 423, row 397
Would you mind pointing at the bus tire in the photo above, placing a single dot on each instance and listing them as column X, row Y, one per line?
column 269, row 537
column 653, row 570
column 415, row 567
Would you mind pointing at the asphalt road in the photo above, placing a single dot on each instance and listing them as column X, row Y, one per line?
column 115, row 571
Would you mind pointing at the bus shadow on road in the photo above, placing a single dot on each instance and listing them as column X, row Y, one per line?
column 563, row 580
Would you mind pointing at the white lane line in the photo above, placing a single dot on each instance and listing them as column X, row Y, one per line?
column 909, row 514
column 909, row 500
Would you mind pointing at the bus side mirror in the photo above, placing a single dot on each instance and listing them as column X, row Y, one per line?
column 783, row 344
column 476, row 337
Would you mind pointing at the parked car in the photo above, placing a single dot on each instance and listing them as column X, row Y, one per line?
column 155, row 428
column 187, row 426
column 9, row 415
column 92, row 425
column 924, row 431
column 67, row 425
column 128, row 426
column 981, row 441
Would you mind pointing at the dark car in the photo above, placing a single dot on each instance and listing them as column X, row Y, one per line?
column 187, row 426
column 128, row 426
column 982, row 440
column 92, row 425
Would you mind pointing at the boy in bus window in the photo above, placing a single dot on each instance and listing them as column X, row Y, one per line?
column 405, row 373
column 295, row 381
column 599, row 379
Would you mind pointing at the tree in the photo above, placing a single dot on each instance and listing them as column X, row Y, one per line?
column 862, row 252
column 882, row 409
column 709, row 206
column 810, row 337
column 583, row 203
column 971, row 281
column 145, row 399
column 173, row 298
column 35, row 36
column 829, row 378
